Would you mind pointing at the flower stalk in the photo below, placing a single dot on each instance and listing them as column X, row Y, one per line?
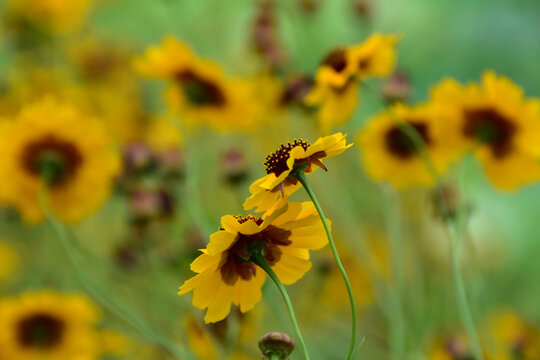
column 299, row 174
column 257, row 256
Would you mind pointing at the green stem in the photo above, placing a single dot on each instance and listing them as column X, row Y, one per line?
column 463, row 305
column 260, row 260
column 99, row 293
column 453, row 229
column 300, row 175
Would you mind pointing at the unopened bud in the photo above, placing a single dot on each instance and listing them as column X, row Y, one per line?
column 396, row 88
column 276, row 344
column 234, row 166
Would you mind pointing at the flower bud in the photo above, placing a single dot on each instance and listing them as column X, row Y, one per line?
column 275, row 343
column 234, row 166
column 396, row 88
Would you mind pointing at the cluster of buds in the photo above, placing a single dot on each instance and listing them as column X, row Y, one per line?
column 265, row 35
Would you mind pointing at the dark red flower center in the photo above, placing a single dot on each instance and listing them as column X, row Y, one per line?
column 489, row 127
column 337, row 60
column 40, row 330
column 54, row 158
column 399, row 143
column 238, row 263
column 200, row 91
column 277, row 161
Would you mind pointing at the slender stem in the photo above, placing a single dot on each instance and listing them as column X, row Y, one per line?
column 300, row 175
column 99, row 293
column 453, row 229
column 463, row 305
column 260, row 260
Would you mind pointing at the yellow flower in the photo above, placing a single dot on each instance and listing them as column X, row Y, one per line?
column 512, row 337
column 374, row 57
column 335, row 93
column 48, row 326
column 57, row 16
column 226, row 272
column 266, row 190
column 453, row 348
column 199, row 90
column 497, row 123
column 9, row 261
column 335, row 105
column 48, row 134
column 390, row 154
column 162, row 135
column 199, row 341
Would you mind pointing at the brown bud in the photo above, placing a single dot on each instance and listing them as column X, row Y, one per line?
column 234, row 166
column 275, row 343
column 396, row 88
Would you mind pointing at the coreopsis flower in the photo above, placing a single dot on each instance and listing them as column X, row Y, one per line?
column 389, row 153
column 53, row 142
column 199, row 90
column 335, row 93
column 48, row 326
column 227, row 273
column 279, row 165
column 496, row 122
column 374, row 57
column 512, row 337
column 451, row 348
column 56, row 16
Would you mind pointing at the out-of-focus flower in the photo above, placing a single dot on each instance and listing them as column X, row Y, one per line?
column 199, row 90
column 390, row 154
column 280, row 164
column 56, row 16
column 512, row 337
column 497, row 123
column 49, row 326
column 149, row 204
column 72, row 150
column 374, row 57
column 9, row 261
column 335, row 93
column 453, row 348
column 234, row 166
column 199, row 341
column 226, row 271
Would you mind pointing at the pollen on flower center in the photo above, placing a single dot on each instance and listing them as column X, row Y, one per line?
column 399, row 143
column 200, row 91
column 61, row 158
column 489, row 127
column 277, row 161
column 40, row 331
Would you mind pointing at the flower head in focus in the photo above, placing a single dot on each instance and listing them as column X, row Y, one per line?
column 226, row 271
column 280, row 164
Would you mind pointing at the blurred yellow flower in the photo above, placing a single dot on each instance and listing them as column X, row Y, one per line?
column 389, row 153
column 57, row 16
column 48, row 326
column 199, row 341
column 374, row 57
column 9, row 261
column 226, row 272
column 497, row 123
column 199, row 90
column 335, row 93
column 74, row 149
column 512, row 337
column 266, row 190
column 335, row 106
